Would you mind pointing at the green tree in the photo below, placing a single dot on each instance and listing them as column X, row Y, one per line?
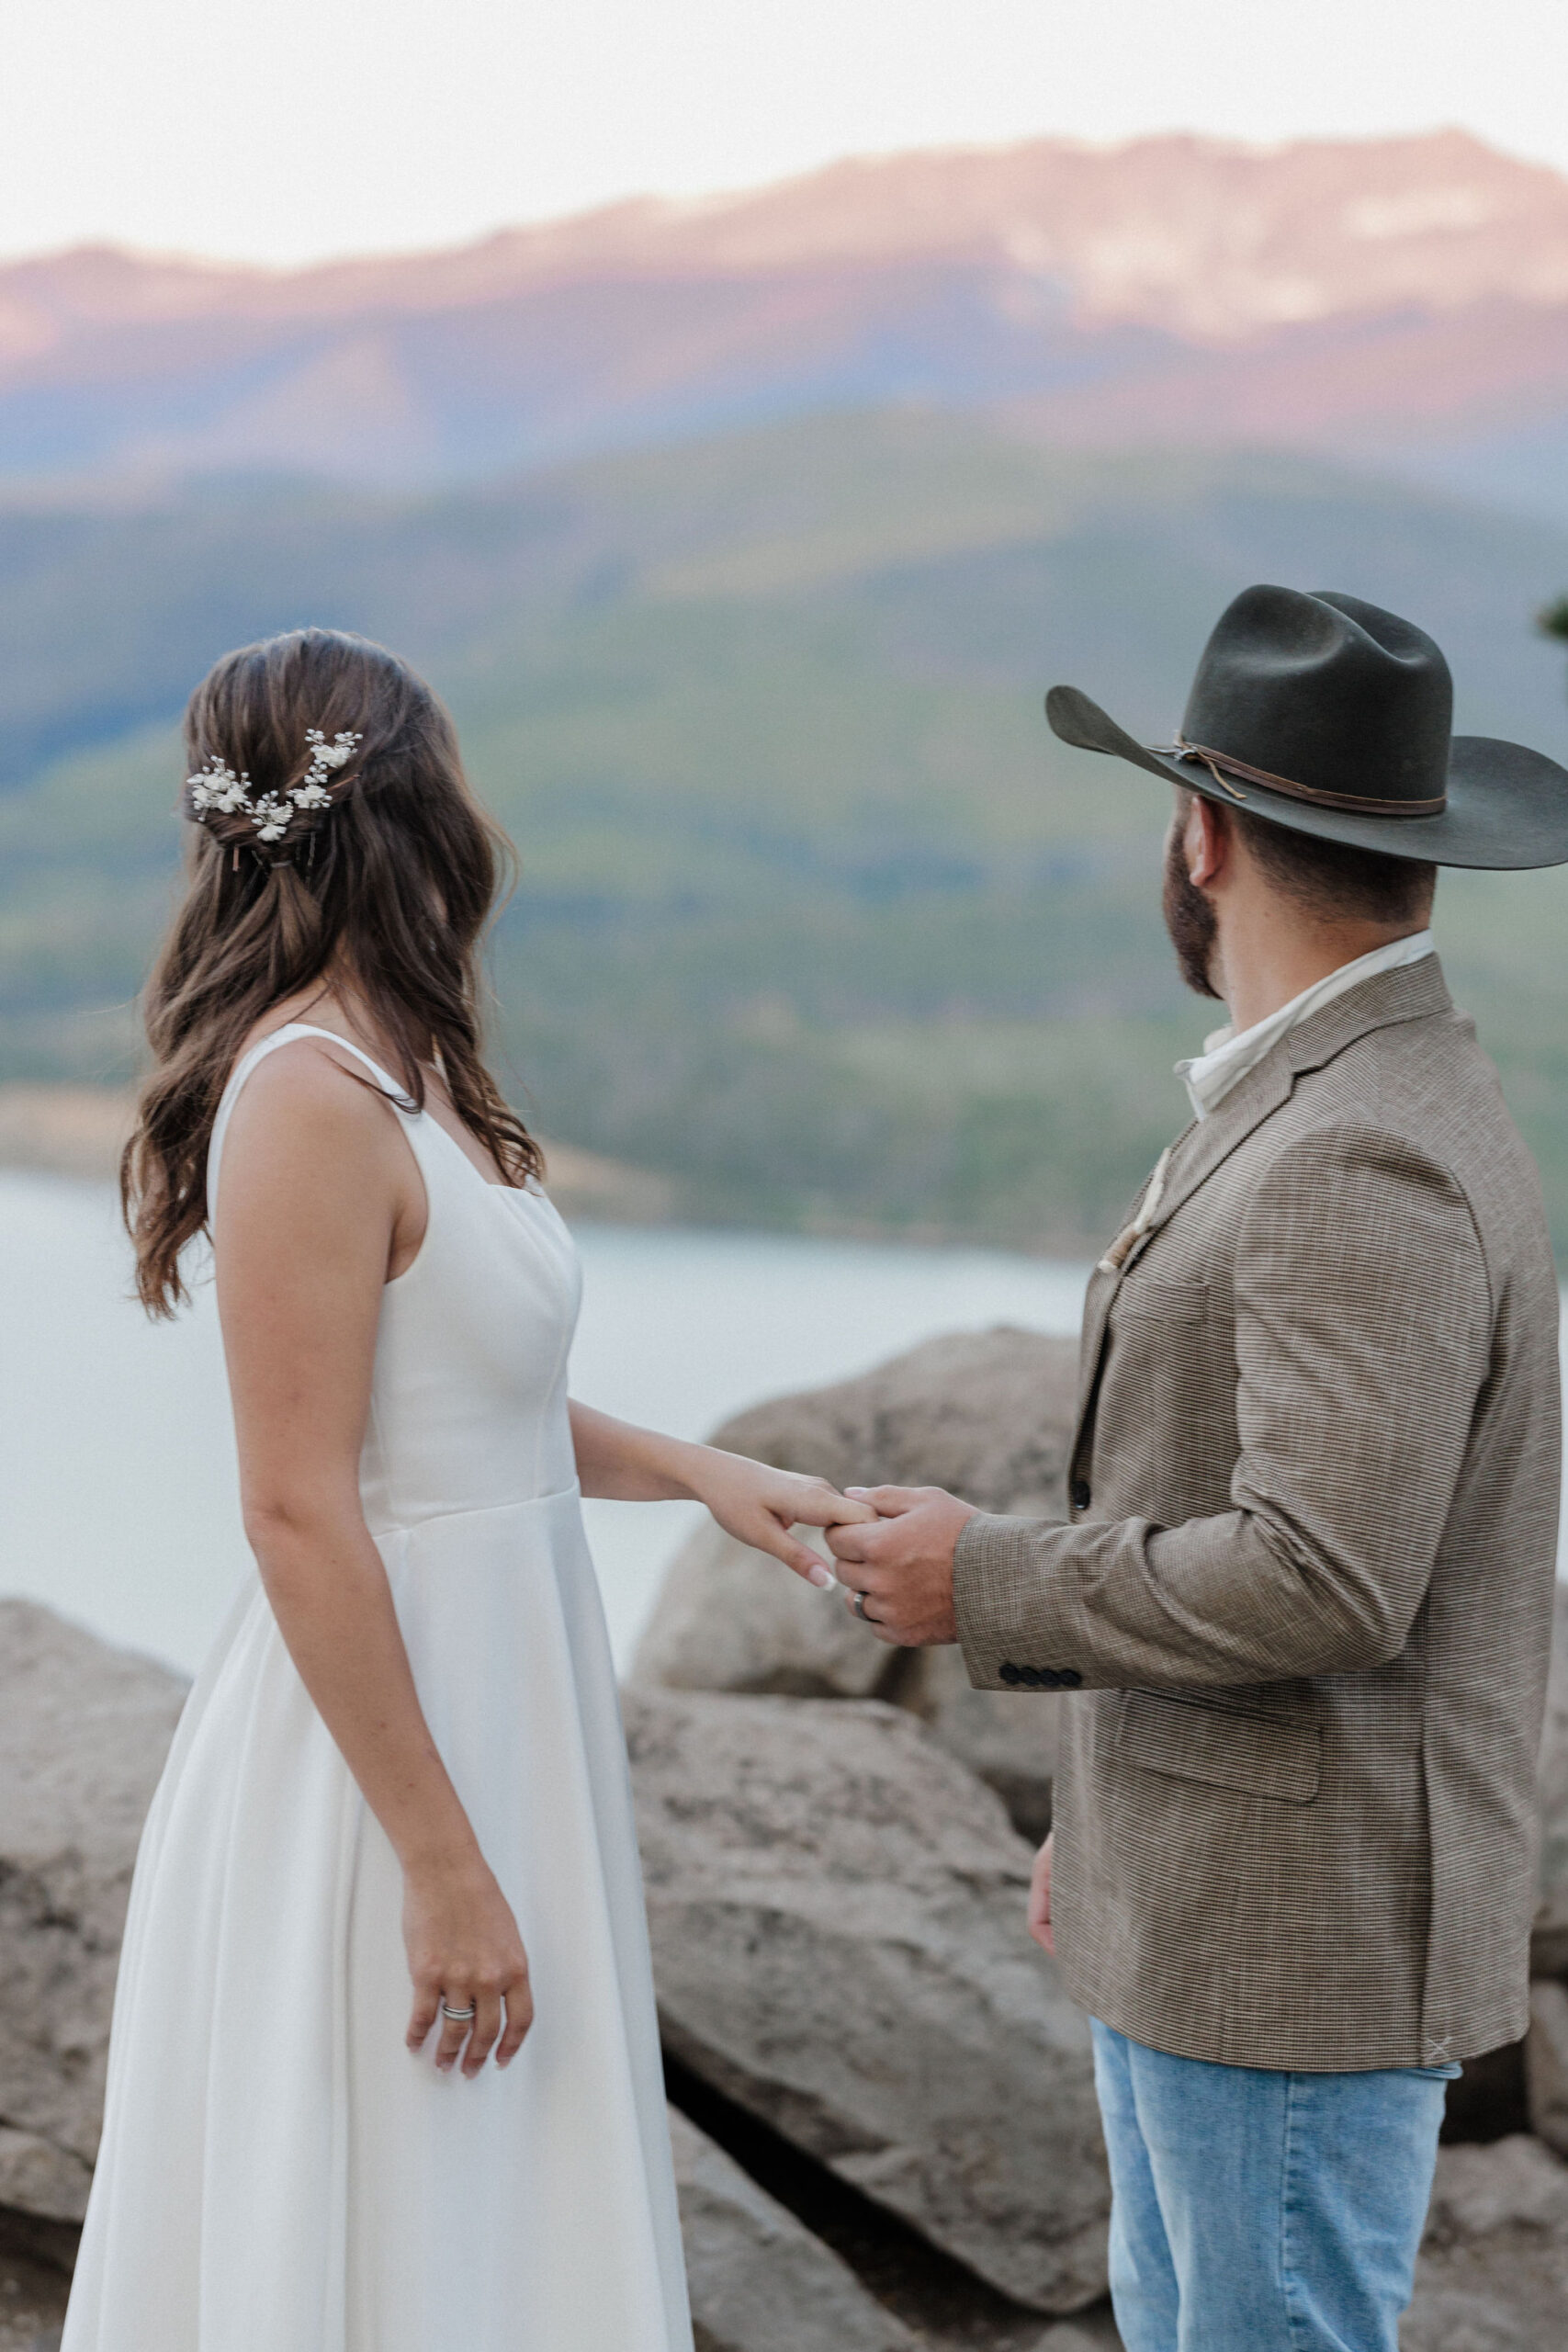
column 1553, row 621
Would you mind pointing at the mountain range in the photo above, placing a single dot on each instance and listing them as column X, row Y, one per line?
column 817, row 921
column 1403, row 303
column 742, row 538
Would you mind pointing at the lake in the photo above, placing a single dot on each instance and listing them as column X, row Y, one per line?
column 117, row 1463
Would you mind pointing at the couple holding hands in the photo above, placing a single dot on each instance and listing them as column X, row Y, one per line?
column 384, row 2071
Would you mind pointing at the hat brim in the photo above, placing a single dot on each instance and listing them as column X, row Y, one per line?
column 1507, row 806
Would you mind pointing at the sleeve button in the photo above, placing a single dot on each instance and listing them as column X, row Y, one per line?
column 1009, row 1673
column 1080, row 1494
column 1070, row 1678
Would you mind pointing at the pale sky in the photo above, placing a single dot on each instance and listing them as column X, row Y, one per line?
column 283, row 130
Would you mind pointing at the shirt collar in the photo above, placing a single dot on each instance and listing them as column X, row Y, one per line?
column 1226, row 1058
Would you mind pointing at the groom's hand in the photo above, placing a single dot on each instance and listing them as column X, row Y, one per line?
column 901, row 1563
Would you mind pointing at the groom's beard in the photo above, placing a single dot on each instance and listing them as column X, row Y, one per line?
column 1188, row 918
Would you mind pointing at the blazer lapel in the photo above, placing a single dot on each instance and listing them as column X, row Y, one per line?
column 1210, row 1141
column 1096, row 1307
column 1193, row 1157
column 1107, row 1274
column 1410, row 993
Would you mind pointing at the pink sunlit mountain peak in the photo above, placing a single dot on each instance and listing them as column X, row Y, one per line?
column 1324, row 291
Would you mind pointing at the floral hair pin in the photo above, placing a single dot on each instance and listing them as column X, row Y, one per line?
column 217, row 787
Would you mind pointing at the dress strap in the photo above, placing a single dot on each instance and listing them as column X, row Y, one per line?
column 258, row 1054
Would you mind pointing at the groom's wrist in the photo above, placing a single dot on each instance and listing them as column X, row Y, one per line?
column 984, row 1596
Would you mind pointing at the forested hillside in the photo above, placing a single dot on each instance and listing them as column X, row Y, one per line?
column 815, row 916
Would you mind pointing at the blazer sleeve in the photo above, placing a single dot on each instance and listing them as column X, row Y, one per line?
column 1363, row 1334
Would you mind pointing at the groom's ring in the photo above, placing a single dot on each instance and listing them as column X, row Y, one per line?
column 858, row 1605
column 460, row 2017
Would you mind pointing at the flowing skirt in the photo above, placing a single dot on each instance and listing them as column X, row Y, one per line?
column 278, row 2172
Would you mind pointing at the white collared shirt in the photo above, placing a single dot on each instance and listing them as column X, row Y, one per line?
column 1226, row 1058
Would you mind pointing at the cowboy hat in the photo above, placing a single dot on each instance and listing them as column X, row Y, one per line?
column 1331, row 717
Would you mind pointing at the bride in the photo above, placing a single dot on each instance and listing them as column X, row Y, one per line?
column 384, row 2075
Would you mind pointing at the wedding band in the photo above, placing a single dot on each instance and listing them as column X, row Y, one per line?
column 460, row 2017
column 858, row 1605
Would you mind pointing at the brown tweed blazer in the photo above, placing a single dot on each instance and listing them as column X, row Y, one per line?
column 1307, row 1583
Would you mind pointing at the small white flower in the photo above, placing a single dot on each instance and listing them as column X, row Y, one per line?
column 217, row 787
column 270, row 816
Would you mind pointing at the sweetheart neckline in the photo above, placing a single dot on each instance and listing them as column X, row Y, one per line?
column 517, row 1191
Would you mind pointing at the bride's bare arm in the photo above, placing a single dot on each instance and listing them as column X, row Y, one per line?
column 320, row 1196
column 750, row 1499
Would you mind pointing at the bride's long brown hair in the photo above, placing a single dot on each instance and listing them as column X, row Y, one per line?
column 386, row 888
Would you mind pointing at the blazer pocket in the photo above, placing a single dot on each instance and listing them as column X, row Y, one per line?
column 1256, row 1754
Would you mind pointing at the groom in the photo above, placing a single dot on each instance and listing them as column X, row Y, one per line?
column 1305, row 1589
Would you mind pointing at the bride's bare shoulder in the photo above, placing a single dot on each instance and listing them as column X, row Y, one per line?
column 311, row 1097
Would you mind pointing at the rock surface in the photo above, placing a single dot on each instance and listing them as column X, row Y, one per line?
column 731, row 1619
column 726, row 1619
column 836, row 1908
column 986, row 1413
column 1492, row 2276
column 33, row 2302
column 41, row 2179
column 84, row 1731
column 1549, row 1951
column 1546, row 2064
column 759, row 2280
column 836, row 1911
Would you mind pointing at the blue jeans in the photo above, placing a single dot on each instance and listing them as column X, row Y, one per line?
column 1254, row 2211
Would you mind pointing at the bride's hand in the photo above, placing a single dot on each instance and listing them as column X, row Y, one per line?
column 464, row 1950
column 759, row 1506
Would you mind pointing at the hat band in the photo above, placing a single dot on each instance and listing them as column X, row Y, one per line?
column 1360, row 804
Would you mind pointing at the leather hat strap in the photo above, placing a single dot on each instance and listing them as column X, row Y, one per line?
column 1222, row 767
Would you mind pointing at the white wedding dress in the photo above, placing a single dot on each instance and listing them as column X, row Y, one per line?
column 278, row 2172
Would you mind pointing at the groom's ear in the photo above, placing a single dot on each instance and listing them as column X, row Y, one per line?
column 1209, row 841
